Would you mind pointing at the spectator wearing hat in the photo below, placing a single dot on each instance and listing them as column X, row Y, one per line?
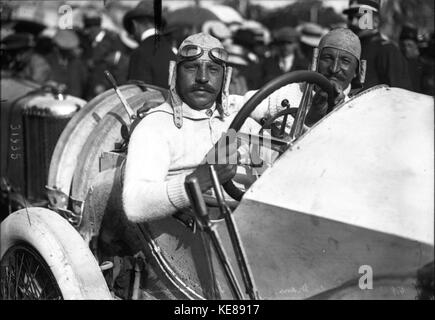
column 103, row 50
column 239, row 62
column 217, row 29
column 253, row 42
column 286, row 55
column 310, row 35
column 385, row 62
column 408, row 41
column 150, row 61
column 19, row 58
column 66, row 65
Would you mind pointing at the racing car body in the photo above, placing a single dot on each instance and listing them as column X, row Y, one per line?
column 336, row 216
column 343, row 200
column 345, row 212
column 32, row 119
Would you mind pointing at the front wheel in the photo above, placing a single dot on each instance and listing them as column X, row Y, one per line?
column 44, row 257
column 26, row 276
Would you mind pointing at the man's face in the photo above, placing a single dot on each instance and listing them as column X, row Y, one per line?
column 338, row 66
column 199, row 82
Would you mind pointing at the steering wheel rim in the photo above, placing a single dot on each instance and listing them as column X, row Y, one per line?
column 264, row 92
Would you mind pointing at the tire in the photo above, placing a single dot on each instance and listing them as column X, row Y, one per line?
column 103, row 138
column 26, row 276
column 43, row 234
column 75, row 135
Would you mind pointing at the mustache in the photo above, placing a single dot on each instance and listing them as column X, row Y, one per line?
column 204, row 87
column 336, row 76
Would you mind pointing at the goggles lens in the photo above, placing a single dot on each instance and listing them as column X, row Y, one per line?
column 192, row 52
column 218, row 54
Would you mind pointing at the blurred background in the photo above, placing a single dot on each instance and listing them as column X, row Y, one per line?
column 253, row 30
column 270, row 13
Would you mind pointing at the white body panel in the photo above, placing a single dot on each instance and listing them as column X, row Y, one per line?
column 370, row 163
column 357, row 190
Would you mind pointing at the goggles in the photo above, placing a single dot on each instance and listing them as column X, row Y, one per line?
column 192, row 52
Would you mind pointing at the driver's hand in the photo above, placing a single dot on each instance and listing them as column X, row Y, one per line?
column 338, row 93
column 224, row 158
column 319, row 105
column 224, row 172
column 322, row 96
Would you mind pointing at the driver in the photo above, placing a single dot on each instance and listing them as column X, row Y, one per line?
column 340, row 62
column 172, row 141
column 175, row 140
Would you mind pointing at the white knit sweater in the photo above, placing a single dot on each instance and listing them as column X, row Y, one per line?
column 160, row 155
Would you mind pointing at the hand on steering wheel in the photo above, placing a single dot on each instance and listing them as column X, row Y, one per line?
column 319, row 106
column 265, row 91
column 223, row 156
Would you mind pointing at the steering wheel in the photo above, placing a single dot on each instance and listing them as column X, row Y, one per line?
column 270, row 122
column 265, row 91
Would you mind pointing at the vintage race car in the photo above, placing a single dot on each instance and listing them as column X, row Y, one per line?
column 32, row 119
column 345, row 212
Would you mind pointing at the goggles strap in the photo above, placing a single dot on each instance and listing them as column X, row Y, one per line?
column 174, row 99
column 225, row 91
column 362, row 71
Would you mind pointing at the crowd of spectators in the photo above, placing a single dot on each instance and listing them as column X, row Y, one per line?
column 78, row 57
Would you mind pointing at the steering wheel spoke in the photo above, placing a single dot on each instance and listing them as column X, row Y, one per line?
column 271, row 122
column 270, row 142
column 259, row 96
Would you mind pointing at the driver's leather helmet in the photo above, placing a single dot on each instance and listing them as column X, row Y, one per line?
column 204, row 46
column 344, row 39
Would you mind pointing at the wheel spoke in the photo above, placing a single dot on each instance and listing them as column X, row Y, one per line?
column 26, row 284
column 35, row 285
column 31, row 279
column 25, row 275
column 11, row 279
column 17, row 276
column 45, row 286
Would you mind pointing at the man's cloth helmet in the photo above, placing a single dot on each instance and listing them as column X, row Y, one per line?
column 206, row 47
